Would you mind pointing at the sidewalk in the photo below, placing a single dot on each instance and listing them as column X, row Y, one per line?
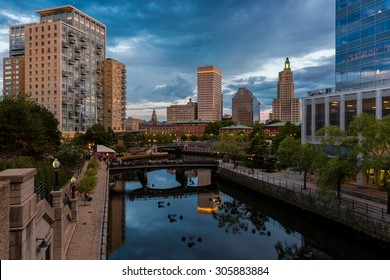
column 366, row 195
column 87, row 235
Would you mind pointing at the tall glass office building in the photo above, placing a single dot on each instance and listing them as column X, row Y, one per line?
column 362, row 44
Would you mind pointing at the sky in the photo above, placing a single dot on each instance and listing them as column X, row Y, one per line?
column 162, row 43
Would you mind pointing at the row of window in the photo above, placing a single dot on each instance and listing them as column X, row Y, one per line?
column 377, row 8
column 363, row 33
column 364, row 52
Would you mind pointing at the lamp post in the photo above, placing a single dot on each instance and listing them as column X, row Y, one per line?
column 56, row 165
column 72, row 181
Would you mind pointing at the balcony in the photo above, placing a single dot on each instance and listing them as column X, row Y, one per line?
column 99, row 52
column 65, row 45
column 65, row 73
column 71, row 33
column 84, row 46
column 71, row 89
column 77, row 57
column 72, row 41
column 98, row 71
column 83, row 39
column 71, row 62
column 83, row 72
column 78, row 50
column 99, row 46
column 83, row 66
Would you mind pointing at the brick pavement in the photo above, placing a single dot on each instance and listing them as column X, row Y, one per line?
column 86, row 238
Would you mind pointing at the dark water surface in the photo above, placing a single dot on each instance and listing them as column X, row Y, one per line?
column 218, row 222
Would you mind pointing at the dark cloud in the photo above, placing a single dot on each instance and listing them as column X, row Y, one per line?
column 163, row 42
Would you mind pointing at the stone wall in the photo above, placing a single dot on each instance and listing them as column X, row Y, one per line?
column 4, row 220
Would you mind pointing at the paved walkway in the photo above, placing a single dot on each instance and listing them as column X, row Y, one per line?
column 86, row 238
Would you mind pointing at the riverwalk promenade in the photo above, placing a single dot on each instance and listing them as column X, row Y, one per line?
column 90, row 235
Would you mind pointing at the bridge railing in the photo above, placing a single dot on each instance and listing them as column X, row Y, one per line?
column 162, row 163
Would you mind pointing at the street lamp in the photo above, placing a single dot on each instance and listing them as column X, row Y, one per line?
column 56, row 165
column 72, row 181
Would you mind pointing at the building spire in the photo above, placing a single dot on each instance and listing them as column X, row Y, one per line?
column 287, row 64
column 154, row 118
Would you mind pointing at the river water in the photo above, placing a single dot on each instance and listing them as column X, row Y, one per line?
column 185, row 215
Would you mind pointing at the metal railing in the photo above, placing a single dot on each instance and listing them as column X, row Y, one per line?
column 355, row 207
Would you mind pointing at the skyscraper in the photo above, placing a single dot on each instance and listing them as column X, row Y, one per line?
column 209, row 93
column 285, row 107
column 245, row 107
column 362, row 44
column 182, row 112
column 114, row 95
column 63, row 61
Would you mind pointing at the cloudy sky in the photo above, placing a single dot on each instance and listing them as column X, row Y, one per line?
column 162, row 42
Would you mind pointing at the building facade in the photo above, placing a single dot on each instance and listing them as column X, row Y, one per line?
column 245, row 107
column 63, row 57
column 209, row 93
column 182, row 112
column 362, row 44
column 13, row 76
column 114, row 95
column 285, row 107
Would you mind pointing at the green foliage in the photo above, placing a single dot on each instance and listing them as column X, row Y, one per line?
column 70, row 156
column 213, row 127
column 93, row 163
column 288, row 151
column 27, row 129
column 97, row 135
column 87, row 184
column 289, row 129
column 233, row 146
column 342, row 153
column 91, row 172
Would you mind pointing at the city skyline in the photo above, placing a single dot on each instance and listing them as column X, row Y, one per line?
column 163, row 43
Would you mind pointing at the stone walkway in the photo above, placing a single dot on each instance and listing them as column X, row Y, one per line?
column 85, row 243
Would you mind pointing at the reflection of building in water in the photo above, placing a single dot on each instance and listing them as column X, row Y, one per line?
column 204, row 177
column 209, row 202
column 116, row 219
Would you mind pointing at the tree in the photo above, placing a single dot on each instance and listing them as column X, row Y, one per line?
column 27, row 129
column 97, row 134
column 341, row 163
column 213, row 127
column 303, row 158
column 233, row 146
column 70, row 155
column 258, row 145
column 87, row 184
column 374, row 145
column 289, row 129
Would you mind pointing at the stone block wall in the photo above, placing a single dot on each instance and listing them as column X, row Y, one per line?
column 4, row 220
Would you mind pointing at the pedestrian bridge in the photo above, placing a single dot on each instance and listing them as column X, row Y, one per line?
column 154, row 165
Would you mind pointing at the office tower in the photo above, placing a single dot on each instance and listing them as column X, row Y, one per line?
column 285, row 107
column 114, row 95
column 245, row 107
column 182, row 112
column 362, row 44
column 209, row 93
column 63, row 58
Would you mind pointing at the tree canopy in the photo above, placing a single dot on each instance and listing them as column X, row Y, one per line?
column 27, row 129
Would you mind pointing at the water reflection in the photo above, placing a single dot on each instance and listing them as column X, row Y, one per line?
column 184, row 215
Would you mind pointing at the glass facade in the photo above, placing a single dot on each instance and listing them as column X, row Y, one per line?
column 362, row 43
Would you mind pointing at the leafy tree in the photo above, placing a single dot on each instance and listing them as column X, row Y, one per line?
column 87, row 184
column 303, row 158
column 98, row 135
column 258, row 145
column 70, row 155
column 289, row 129
column 374, row 145
column 27, row 129
column 233, row 146
column 341, row 151
column 213, row 127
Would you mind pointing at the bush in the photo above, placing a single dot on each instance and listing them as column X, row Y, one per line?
column 93, row 163
column 91, row 172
